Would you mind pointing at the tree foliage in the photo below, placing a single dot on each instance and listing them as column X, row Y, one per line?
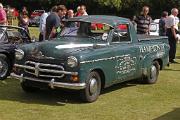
column 109, row 3
column 125, row 8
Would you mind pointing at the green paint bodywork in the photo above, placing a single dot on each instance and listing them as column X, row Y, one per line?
column 115, row 61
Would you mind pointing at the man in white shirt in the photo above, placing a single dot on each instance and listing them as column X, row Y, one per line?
column 172, row 30
column 42, row 26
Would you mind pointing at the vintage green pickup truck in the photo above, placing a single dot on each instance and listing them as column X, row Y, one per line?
column 87, row 59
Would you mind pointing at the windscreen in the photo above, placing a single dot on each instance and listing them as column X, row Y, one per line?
column 84, row 29
column 2, row 36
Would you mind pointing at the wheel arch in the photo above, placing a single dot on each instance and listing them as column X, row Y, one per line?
column 10, row 59
column 160, row 63
column 102, row 76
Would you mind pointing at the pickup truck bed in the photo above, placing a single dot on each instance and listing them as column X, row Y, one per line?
column 150, row 37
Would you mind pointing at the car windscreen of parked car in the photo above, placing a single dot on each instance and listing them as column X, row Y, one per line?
column 37, row 13
column 2, row 36
column 154, row 27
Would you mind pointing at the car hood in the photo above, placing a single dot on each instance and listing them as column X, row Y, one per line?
column 63, row 47
column 7, row 47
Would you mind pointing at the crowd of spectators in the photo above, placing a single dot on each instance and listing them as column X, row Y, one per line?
column 52, row 22
column 168, row 26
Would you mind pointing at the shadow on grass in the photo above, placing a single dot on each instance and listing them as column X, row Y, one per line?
column 173, row 115
column 10, row 90
column 177, row 57
column 168, row 69
column 120, row 86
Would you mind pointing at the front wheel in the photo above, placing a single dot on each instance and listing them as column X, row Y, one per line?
column 4, row 67
column 93, row 87
column 154, row 72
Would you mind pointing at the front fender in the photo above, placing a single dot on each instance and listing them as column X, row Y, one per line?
column 86, row 68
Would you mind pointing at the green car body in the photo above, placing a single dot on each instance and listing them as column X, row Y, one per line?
column 90, row 63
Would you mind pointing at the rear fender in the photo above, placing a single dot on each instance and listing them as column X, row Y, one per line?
column 148, row 60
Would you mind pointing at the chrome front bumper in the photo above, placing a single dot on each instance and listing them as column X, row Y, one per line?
column 52, row 84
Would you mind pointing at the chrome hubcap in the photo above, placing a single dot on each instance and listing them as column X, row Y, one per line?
column 153, row 72
column 1, row 66
column 93, row 86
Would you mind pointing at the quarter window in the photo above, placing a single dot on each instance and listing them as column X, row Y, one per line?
column 121, row 33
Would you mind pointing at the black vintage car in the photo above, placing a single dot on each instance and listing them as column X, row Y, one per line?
column 10, row 38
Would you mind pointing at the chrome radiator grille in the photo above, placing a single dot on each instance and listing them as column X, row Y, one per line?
column 44, row 70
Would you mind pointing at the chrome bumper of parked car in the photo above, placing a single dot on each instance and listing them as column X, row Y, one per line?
column 51, row 83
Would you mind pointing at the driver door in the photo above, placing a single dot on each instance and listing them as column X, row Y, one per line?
column 125, row 52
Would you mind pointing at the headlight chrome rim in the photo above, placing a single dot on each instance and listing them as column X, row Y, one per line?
column 19, row 54
column 72, row 61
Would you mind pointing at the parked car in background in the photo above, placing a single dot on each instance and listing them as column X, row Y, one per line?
column 37, row 13
column 154, row 27
column 35, row 17
column 15, row 12
column 34, row 21
column 88, row 60
column 10, row 38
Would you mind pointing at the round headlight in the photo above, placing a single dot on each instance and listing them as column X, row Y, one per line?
column 72, row 61
column 19, row 54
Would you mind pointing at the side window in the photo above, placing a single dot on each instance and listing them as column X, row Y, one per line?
column 3, row 37
column 121, row 33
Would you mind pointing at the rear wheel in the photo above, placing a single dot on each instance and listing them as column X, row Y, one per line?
column 4, row 67
column 154, row 73
column 93, row 87
column 27, row 88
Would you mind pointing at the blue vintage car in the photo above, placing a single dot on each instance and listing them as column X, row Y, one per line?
column 87, row 59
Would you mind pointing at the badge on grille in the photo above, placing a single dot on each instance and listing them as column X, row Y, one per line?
column 37, row 69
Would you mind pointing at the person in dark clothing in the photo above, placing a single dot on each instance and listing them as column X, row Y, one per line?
column 172, row 30
column 23, row 19
column 143, row 21
column 162, row 28
column 54, row 22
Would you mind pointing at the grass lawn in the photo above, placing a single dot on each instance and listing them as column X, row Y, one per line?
column 34, row 32
column 125, row 101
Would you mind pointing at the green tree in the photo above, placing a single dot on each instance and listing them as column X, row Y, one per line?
column 111, row 3
column 125, row 8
